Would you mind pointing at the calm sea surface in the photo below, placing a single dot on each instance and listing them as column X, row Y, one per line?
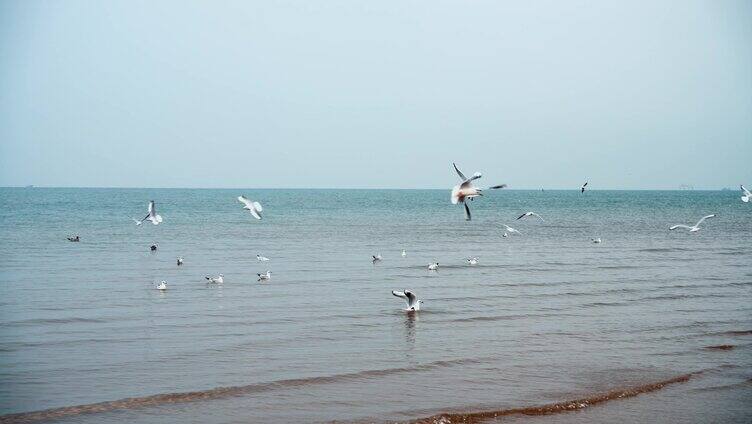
column 545, row 317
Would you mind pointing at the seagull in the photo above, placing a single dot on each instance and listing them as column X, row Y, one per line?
column 746, row 195
column 162, row 286
column 267, row 276
column 253, row 207
column 695, row 227
column 433, row 266
column 510, row 229
column 596, row 240
column 505, row 234
column 376, row 257
column 261, row 258
column 180, row 260
column 472, row 261
column 582, row 189
column 526, row 214
column 404, row 254
column 216, row 280
column 466, row 190
column 152, row 216
column 413, row 304
column 74, row 239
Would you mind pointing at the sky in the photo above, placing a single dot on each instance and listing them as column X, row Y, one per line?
column 376, row 94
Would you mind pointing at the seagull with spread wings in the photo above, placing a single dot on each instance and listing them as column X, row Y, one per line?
column 466, row 190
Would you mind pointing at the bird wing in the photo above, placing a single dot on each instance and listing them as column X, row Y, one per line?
column 704, row 218
column 257, row 206
column 255, row 213
column 680, row 226
column 522, row 216
column 244, row 200
column 462, row 176
column 151, row 207
column 411, row 299
column 498, row 186
column 399, row 294
column 535, row 214
column 746, row 192
column 467, row 212
column 585, row 185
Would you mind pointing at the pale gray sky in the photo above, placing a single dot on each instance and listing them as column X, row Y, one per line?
column 629, row 94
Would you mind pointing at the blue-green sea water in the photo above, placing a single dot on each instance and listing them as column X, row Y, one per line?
column 546, row 316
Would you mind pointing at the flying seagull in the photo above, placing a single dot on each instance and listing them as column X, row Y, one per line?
column 253, row 207
column 152, row 216
column 216, row 280
column 510, row 229
column 267, row 276
column 433, row 266
column 261, row 258
column 695, row 227
column 582, row 189
column 746, row 195
column 466, row 190
column 526, row 214
column 413, row 304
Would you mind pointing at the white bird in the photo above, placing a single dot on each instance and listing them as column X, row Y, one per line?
column 413, row 304
column 695, row 227
column 261, row 258
column 404, row 254
column 582, row 189
column 253, row 207
column 375, row 258
column 472, row 261
column 505, row 234
column 510, row 229
column 526, row 214
column 180, row 260
column 267, row 276
column 596, row 240
column 746, row 195
column 162, row 286
column 74, row 239
column 151, row 216
column 466, row 190
column 433, row 266
column 216, row 280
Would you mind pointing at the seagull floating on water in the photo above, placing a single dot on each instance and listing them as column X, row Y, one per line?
column 267, row 276
column 375, row 258
column 472, row 261
column 74, row 239
column 505, row 234
column 153, row 247
column 162, row 286
column 746, row 195
column 695, row 227
column 596, row 240
column 253, row 207
column 466, row 190
column 510, row 229
column 404, row 254
column 152, row 216
column 526, row 214
column 216, row 280
column 413, row 304
column 261, row 258
column 433, row 266
column 582, row 189
column 180, row 260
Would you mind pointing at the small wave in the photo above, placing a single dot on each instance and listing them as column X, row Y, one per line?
column 551, row 408
column 43, row 321
column 737, row 333
column 219, row 392
column 720, row 347
column 664, row 249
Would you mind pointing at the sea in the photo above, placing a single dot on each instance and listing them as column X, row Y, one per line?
column 648, row 326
